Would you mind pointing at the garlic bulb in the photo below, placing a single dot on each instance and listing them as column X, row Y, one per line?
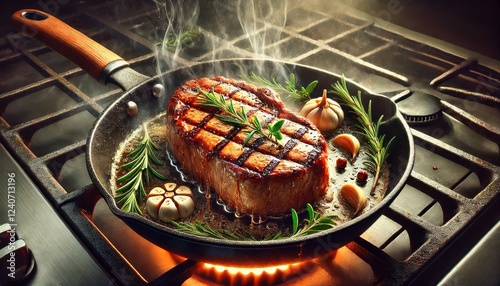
column 323, row 112
column 170, row 203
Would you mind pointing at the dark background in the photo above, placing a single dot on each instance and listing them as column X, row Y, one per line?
column 473, row 25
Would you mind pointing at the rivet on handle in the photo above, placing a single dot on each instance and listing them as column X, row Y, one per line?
column 33, row 15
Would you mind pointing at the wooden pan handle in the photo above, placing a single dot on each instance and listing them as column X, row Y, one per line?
column 75, row 46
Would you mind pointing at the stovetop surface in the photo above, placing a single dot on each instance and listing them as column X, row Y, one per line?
column 60, row 258
column 449, row 203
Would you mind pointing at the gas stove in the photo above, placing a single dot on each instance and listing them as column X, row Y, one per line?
column 442, row 223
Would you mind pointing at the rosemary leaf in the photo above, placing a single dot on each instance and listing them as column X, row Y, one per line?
column 310, row 211
column 130, row 164
column 135, row 154
column 230, row 120
column 156, row 174
column 249, row 136
column 295, row 221
column 133, row 172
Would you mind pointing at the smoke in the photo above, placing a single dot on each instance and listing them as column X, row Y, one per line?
column 261, row 23
column 211, row 31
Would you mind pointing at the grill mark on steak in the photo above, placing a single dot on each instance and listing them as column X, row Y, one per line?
column 299, row 133
column 215, row 152
column 288, row 146
column 258, row 142
column 311, row 157
column 233, row 133
column 270, row 167
column 244, row 156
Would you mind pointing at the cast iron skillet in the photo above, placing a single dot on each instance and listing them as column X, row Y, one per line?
column 114, row 125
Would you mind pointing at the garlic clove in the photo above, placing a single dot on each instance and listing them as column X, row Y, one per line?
column 168, row 211
column 169, row 194
column 349, row 143
column 153, row 205
column 170, row 186
column 184, row 190
column 185, row 206
column 354, row 196
column 156, row 192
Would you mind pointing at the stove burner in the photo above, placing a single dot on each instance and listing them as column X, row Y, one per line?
column 254, row 276
column 420, row 108
column 341, row 267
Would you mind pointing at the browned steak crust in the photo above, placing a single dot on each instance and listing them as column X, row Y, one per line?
column 260, row 178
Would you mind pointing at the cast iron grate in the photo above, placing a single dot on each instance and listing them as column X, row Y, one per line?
column 455, row 184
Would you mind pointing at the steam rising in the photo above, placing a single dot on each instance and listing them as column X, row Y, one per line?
column 176, row 17
column 227, row 30
column 262, row 17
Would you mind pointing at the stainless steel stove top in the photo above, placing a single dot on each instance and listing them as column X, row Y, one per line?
column 449, row 204
column 60, row 258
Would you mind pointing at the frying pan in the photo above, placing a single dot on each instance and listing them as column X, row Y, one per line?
column 114, row 126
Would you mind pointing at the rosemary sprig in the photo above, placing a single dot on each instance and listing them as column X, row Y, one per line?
column 240, row 118
column 140, row 166
column 370, row 129
column 301, row 95
column 201, row 229
column 311, row 225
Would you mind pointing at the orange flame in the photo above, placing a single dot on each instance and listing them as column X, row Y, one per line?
column 247, row 271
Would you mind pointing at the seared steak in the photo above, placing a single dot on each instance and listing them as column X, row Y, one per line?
column 260, row 178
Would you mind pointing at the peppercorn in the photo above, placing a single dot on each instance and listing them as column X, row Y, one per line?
column 362, row 176
column 341, row 163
